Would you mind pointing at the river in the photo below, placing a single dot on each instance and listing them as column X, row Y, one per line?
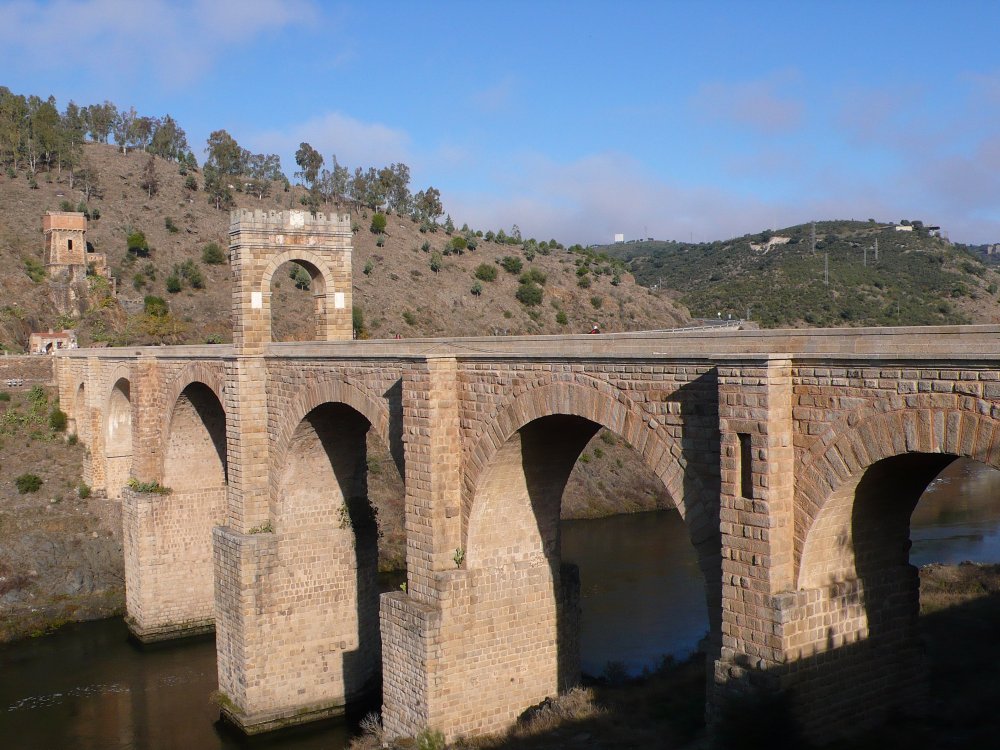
column 88, row 687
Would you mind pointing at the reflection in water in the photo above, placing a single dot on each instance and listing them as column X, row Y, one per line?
column 958, row 517
column 641, row 591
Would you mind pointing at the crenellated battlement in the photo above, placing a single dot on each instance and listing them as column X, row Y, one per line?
column 289, row 221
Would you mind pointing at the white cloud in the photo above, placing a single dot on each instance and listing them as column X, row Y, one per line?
column 174, row 42
column 355, row 143
column 759, row 105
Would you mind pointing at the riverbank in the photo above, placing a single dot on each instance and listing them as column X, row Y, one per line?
column 960, row 612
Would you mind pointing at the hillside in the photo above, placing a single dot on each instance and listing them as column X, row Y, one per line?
column 916, row 279
column 394, row 286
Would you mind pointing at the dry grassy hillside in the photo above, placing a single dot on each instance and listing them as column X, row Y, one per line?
column 398, row 294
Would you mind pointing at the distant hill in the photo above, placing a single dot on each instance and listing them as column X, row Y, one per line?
column 395, row 289
column 917, row 278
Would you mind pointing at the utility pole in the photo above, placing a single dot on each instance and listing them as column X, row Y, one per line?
column 813, row 232
column 876, row 249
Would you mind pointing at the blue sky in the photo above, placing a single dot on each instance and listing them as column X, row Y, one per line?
column 575, row 120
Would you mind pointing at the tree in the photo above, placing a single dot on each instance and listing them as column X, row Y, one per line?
column 123, row 129
column 225, row 155
column 169, row 140
column 529, row 294
column 428, row 204
column 150, row 182
column 378, row 223
column 217, row 187
column 100, row 120
column 262, row 170
column 310, row 161
column 395, row 183
column 90, row 181
column 212, row 254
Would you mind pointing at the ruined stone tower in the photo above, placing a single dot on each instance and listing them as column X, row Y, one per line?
column 67, row 259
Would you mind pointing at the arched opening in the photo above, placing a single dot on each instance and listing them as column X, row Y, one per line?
column 118, row 438
column 642, row 593
column 298, row 302
column 169, row 568
column 887, row 624
column 327, row 531
column 195, row 458
column 515, row 564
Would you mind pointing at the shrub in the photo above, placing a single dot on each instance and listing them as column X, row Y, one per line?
column 137, row 243
column 191, row 273
column 171, row 226
column 95, row 213
column 155, row 306
column 173, row 283
column 533, row 275
column 212, row 254
column 477, row 288
column 66, row 206
column 471, row 243
column 34, row 269
column 83, row 490
column 426, row 247
column 28, row 483
column 138, row 281
column 358, row 322
column 561, row 318
column 378, row 223
column 436, row 261
column 300, row 276
column 511, row 264
column 214, row 338
column 191, row 183
column 583, row 282
column 4, row 396
column 369, row 267
column 148, row 487
column 458, row 244
column 596, row 302
column 529, row 294
column 486, row 272
column 57, row 419
column 409, row 317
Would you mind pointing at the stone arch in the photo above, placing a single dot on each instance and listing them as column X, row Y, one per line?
column 208, row 376
column 117, row 431
column 325, row 568
column 941, row 424
column 194, row 455
column 314, row 393
column 599, row 402
column 511, row 552
column 322, row 287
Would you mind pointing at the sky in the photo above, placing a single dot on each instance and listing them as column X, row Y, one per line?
column 694, row 120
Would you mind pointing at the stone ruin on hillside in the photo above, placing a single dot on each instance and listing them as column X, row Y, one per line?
column 68, row 259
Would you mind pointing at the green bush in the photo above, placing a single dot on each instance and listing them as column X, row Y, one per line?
column 191, row 183
column 477, row 288
column 155, row 306
column 409, row 317
column 34, row 269
column 173, row 283
column 358, row 322
column 533, row 275
column 28, row 483
column 596, row 302
column 529, row 294
column 369, row 267
column 486, row 272
column 57, row 419
column 583, row 282
column 137, row 243
column 458, row 244
column 300, row 276
column 561, row 318
column 83, row 490
column 4, row 396
column 212, row 254
column 171, row 226
column 511, row 264
column 378, row 223
column 66, row 206
column 436, row 261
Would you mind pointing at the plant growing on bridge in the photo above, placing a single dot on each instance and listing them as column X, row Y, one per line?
column 57, row 419
column 459, row 557
column 154, row 488
column 265, row 528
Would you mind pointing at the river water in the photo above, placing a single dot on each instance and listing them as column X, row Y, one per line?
column 87, row 687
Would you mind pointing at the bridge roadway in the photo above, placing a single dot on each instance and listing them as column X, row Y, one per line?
column 761, row 439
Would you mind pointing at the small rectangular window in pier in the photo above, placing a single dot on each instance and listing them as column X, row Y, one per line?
column 69, row 244
column 746, row 473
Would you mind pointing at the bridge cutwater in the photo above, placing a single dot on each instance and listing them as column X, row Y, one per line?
column 761, row 439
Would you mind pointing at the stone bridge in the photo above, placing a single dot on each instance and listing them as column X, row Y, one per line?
column 762, row 439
